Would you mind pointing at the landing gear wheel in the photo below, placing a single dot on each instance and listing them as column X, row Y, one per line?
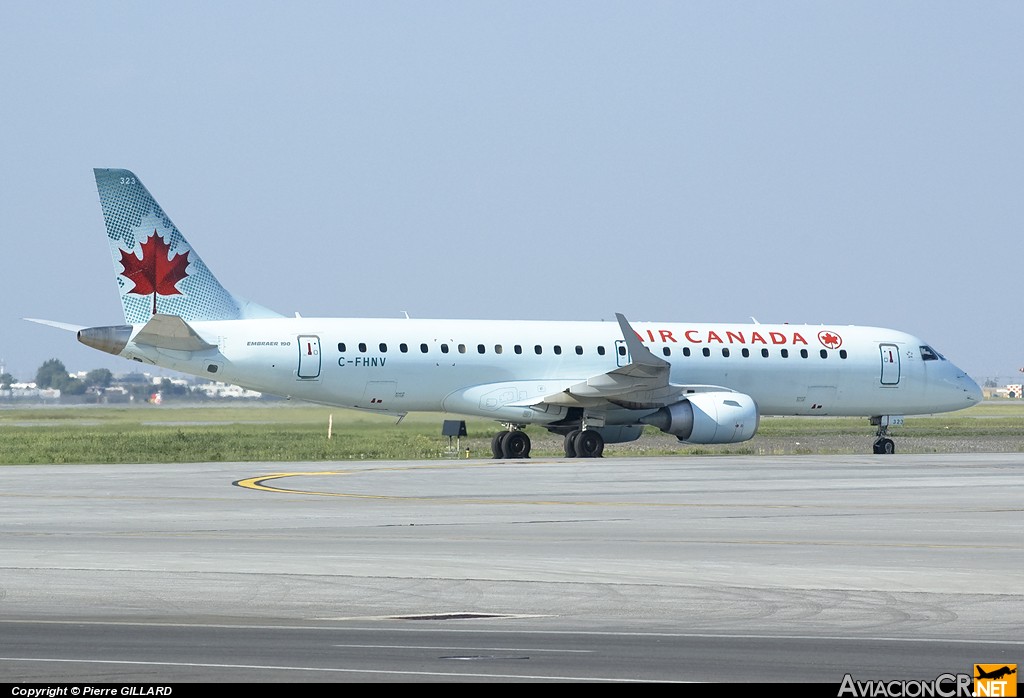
column 884, row 445
column 569, row 444
column 496, row 444
column 589, row 444
column 516, row 444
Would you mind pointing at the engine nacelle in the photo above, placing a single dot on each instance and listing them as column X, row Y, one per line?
column 709, row 418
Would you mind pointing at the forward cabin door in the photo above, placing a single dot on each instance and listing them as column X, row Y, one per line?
column 890, row 364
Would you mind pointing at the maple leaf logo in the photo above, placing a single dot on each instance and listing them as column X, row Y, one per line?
column 155, row 272
column 830, row 339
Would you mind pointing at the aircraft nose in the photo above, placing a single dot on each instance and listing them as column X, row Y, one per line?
column 965, row 384
column 973, row 390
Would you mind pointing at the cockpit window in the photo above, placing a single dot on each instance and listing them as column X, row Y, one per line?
column 929, row 354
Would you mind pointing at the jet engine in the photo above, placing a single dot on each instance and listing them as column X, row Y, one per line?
column 708, row 418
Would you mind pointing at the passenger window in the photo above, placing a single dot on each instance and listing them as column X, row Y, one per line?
column 579, row 350
column 667, row 351
column 764, row 353
column 462, row 348
column 518, row 349
column 824, row 353
column 745, row 352
column 404, row 348
column 725, row 352
column 842, row 353
column 784, row 353
column 383, row 347
column 362, row 347
column 444, row 348
column 341, row 347
column 622, row 350
column 497, row 349
column 686, row 351
column 558, row 349
column 706, row 351
column 600, row 351
column 803, row 353
column 424, row 348
column 480, row 349
column 537, row 349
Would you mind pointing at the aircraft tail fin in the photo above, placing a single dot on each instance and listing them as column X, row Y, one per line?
column 157, row 270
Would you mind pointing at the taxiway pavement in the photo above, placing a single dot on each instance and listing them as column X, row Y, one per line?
column 747, row 568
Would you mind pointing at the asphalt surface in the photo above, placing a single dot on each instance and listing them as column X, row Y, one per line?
column 710, row 569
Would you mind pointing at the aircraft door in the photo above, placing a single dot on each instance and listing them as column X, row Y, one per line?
column 309, row 356
column 890, row 364
column 621, row 353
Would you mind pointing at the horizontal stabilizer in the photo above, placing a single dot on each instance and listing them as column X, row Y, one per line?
column 171, row 332
column 59, row 325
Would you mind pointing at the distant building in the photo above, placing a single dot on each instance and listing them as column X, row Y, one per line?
column 224, row 390
column 159, row 380
column 1005, row 392
column 127, row 388
column 29, row 390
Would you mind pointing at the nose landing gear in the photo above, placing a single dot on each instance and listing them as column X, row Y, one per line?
column 883, row 444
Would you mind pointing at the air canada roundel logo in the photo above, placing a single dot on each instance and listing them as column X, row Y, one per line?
column 830, row 339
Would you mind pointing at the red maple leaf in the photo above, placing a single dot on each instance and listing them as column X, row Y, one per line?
column 830, row 340
column 155, row 272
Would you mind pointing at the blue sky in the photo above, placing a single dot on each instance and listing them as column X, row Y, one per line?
column 838, row 163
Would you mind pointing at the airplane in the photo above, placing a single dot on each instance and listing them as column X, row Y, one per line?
column 593, row 383
column 995, row 674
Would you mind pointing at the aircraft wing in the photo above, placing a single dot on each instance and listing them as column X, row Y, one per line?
column 642, row 384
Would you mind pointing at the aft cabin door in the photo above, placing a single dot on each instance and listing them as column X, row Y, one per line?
column 890, row 364
column 309, row 356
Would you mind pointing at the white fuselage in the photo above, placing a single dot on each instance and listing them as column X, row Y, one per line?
column 497, row 369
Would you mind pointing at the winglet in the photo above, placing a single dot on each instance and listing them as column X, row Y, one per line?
column 639, row 353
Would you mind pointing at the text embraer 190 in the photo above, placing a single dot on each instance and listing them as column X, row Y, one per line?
column 591, row 382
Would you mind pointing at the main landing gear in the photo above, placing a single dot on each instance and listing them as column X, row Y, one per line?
column 513, row 443
column 583, row 444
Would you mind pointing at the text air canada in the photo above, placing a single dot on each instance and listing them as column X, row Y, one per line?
column 695, row 336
